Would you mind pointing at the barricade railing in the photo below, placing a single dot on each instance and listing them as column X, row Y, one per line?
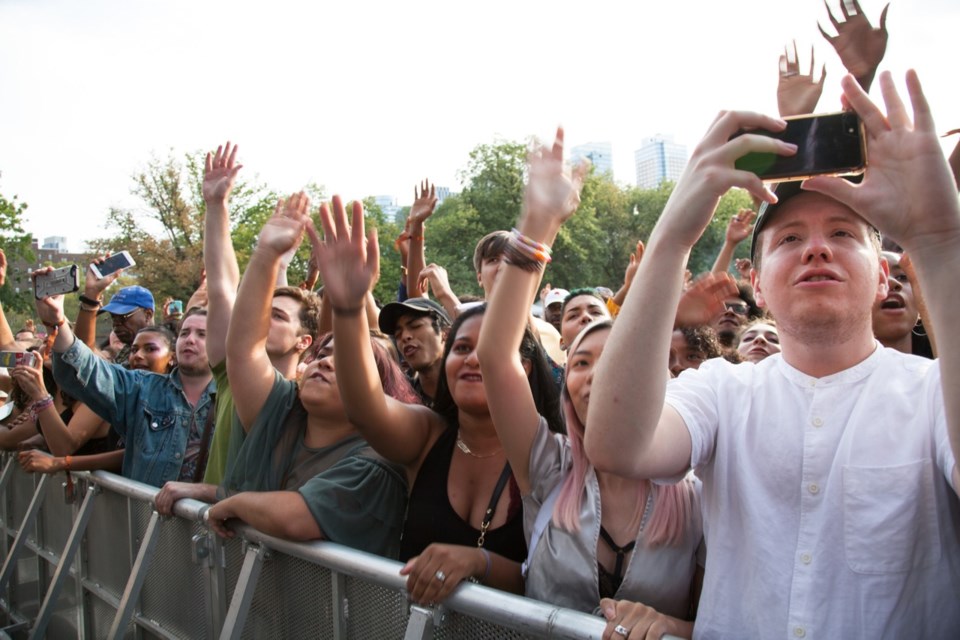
column 91, row 558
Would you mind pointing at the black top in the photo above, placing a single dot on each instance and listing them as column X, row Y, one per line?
column 431, row 518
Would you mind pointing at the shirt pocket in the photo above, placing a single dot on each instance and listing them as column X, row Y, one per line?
column 159, row 427
column 890, row 518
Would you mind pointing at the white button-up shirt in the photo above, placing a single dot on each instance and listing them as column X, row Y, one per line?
column 828, row 505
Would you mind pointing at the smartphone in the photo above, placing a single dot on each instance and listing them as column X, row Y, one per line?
column 112, row 264
column 830, row 144
column 62, row 280
column 176, row 307
column 10, row 359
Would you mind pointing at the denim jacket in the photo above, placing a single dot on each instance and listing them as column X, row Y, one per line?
column 148, row 409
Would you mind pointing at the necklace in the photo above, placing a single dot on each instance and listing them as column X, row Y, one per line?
column 463, row 447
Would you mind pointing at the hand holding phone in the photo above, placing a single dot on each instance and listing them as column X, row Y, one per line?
column 52, row 283
column 10, row 359
column 829, row 144
column 114, row 263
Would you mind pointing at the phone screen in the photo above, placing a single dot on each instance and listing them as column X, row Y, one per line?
column 830, row 144
column 114, row 263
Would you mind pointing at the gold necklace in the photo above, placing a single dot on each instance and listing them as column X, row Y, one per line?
column 463, row 447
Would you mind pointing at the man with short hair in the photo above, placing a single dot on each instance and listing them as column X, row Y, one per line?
column 830, row 482
column 419, row 327
column 165, row 419
column 130, row 309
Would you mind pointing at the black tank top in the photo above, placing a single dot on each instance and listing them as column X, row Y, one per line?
column 431, row 518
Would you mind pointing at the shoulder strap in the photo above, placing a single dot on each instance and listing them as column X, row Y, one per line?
column 540, row 525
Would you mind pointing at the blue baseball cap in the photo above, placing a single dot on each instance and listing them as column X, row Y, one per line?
column 129, row 299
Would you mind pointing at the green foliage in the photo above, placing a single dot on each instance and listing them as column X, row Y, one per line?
column 16, row 245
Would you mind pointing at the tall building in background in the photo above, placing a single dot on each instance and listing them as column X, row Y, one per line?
column 659, row 159
column 600, row 154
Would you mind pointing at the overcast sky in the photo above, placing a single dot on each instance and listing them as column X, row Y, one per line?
column 368, row 97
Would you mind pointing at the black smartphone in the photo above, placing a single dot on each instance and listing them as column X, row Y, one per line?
column 112, row 264
column 827, row 144
column 62, row 280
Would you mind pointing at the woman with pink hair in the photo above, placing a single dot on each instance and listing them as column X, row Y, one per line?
column 642, row 545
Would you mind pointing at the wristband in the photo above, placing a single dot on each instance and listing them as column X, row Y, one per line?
column 90, row 302
column 66, row 462
column 59, row 324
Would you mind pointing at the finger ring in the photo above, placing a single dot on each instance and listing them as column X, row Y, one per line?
column 440, row 575
column 621, row 630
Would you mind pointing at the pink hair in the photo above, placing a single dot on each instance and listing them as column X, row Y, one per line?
column 672, row 505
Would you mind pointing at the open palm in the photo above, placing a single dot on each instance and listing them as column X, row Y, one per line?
column 349, row 261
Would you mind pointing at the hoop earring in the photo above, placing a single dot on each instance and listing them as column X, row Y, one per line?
column 919, row 334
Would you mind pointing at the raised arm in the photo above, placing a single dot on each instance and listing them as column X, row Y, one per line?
column 738, row 229
column 248, row 366
column 909, row 194
column 90, row 303
column 424, row 202
column 861, row 47
column 348, row 263
column 551, row 196
column 219, row 260
column 628, row 429
column 7, row 343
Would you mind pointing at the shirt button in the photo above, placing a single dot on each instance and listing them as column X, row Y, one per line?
column 814, row 489
column 177, row 455
column 813, row 383
column 153, row 424
column 817, row 422
column 799, row 632
column 805, row 559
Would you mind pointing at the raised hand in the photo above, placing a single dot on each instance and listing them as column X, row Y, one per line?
column 219, row 172
column 743, row 267
column 908, row 191
column 859, row 45
column 553, row 189
column 49, row 309
column 703, row 300
column 424, row 203
column 3, row 268
column 740, row 226
column 436, row 277
column 93, row 286
column 349, row 261
column 284, row 229
column 633, row 264
column 798, row 93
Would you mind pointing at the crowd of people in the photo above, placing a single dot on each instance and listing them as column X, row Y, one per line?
column 766, row 449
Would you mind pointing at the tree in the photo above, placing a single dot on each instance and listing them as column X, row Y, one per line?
column 17, row 246
column 166, row 238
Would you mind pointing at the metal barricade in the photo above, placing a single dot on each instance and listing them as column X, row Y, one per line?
column 98, row 562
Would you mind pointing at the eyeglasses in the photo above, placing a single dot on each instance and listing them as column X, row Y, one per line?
column 739, row 308
column 120, row 319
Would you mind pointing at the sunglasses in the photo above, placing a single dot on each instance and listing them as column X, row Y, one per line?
column 120, row 319
column 739, row 308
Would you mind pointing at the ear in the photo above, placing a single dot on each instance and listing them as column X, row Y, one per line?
column 757, row 292
column 148, row 314
column 304, row 342
column 479, row 279
column 883, row 284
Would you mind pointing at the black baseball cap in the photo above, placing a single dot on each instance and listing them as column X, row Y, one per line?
column 393, row 311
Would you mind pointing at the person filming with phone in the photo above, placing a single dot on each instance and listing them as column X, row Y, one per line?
column 131, row 308
column 830, row 483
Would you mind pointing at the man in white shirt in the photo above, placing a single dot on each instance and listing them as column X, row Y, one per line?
column 829, row 471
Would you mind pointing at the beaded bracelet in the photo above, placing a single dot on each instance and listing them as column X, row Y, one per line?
column 41, row 404
column 536, row 250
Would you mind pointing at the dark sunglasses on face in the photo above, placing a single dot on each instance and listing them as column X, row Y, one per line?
column 739, row 308
column 120, row 319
